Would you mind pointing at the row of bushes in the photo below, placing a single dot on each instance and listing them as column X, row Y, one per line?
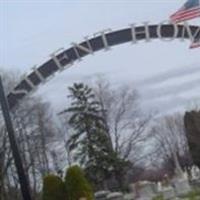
column 74, row 186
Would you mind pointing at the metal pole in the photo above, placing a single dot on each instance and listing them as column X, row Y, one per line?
column 15, row 151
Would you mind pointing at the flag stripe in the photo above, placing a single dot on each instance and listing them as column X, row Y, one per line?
column 184, row 19
column 186, row 16
column 195, row 45
column 180, row 19
column 188, row 10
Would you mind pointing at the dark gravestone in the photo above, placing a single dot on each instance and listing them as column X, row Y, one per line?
column 192, row 127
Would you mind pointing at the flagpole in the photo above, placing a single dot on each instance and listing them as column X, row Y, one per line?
column 24, row 184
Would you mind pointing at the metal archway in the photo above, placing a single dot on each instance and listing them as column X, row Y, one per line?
column 104, row 41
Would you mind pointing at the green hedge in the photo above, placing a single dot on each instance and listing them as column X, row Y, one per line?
column 76, row 184
column 53, row 188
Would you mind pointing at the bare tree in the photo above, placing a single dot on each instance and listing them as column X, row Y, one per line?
column 36, row 135
column 170, row 136
column 126, row 124
column 6, row 160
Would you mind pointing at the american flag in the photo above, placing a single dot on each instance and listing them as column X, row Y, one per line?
column 190, row 10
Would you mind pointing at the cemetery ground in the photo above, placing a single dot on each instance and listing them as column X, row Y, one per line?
column 151, row 191
column 180, row 187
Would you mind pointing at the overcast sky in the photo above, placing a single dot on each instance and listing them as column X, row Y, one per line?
column 164, row 72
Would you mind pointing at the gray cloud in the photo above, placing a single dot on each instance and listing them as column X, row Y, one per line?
column 168, row 75
column 152, row 94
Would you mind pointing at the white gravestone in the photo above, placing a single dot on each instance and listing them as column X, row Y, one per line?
column 182, row 186
column 101, row 195
column 159, row 187
column 130, row 196
column 168, row 193
column 115, row 196
column 195, row 172
column 147, row 191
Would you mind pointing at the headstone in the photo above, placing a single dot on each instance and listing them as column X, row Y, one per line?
column 130, row 196
column 166, row 180
column 101, row 195
column 147, row 191
column 159, row 187
column 168, row 193
column 182, row 187
column 195, row 172
column 115, row 196
column 185, row 176
column 132, row 187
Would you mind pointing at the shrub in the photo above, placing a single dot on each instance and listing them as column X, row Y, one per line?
column 53, row 188
column 77, row 185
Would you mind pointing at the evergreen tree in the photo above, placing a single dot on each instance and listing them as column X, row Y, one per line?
column 192, row 127
column 93, row 149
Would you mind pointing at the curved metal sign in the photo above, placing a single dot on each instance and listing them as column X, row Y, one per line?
column 103, row 40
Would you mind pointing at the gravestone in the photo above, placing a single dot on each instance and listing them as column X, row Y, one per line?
column 134, row 189
column 182, row 187
column 147, row 191
column 130, row 196
column 195, row 172
column 159, row 187
column 101, row 195
column 115, row 196
column 168, row 193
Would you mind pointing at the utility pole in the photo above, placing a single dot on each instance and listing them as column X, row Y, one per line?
column 24, row 184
